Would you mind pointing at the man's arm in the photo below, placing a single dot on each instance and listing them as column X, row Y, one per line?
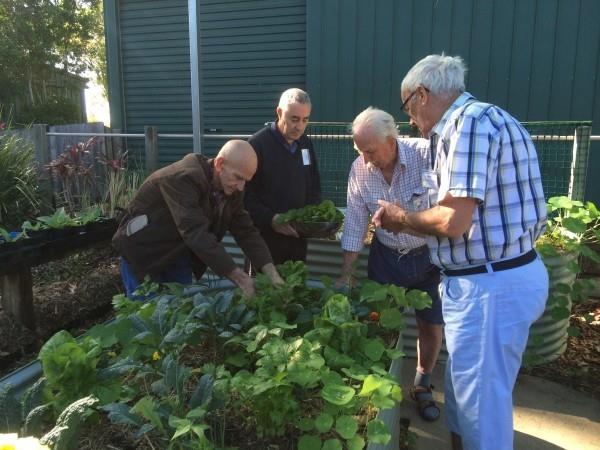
column 183, row 198
column 261, row 214
column 356, row 225
column 451, row 217
column 348, row 268
column 270, row 271
column 314, row 190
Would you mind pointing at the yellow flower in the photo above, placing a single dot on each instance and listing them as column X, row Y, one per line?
column 13, row 442
column 155, row 357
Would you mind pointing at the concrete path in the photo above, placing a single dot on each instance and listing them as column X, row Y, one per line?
column 547, row 415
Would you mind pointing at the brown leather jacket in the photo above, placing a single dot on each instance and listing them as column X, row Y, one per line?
column 187, row 216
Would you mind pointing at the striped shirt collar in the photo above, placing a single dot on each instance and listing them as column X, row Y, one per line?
column 460, row 101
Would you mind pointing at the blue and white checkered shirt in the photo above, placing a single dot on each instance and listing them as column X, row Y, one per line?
column 366, row 185
column 483, row 152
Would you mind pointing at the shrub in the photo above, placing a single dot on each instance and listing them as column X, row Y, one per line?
column 18, row 180
column 55, row 110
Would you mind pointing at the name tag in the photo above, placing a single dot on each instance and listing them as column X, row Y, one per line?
column 305, row 157
column 418, row 203
column 429, row 179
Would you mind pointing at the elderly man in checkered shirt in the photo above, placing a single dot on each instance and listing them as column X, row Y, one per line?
column 390, row 168
column 488, row 210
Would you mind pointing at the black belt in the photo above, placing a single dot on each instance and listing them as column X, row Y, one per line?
column 520, row 260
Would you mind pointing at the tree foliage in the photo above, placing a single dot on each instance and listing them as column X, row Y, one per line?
column 39, row 36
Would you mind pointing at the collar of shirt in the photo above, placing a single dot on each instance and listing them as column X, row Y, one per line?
column 217, row 195
column 279, row 137
column 460, row 101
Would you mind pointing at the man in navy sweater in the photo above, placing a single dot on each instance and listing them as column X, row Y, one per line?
column 287, row 176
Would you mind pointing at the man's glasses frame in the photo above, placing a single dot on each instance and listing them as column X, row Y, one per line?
column 405, row 102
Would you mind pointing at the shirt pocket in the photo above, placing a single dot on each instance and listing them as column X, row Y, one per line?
column 419, row 200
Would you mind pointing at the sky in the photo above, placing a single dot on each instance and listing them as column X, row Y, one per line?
column 95, row 102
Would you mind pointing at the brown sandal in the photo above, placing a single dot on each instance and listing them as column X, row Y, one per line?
column 427, row 408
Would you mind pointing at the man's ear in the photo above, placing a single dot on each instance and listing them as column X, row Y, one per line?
column 219, row 162
column 279, row 112
column 424, row 95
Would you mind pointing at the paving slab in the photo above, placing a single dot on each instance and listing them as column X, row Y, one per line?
column 547, row 415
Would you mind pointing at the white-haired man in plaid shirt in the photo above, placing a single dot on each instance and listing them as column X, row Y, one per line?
column 390, row 168
column 487, row 211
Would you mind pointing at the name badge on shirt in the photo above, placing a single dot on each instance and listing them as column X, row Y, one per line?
column 418, row 203
column 305, row 157
column 429, row 179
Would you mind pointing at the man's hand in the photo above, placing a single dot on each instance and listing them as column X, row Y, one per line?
column 390, row 217
column 285, row 228
column 270, row 271
column 243, row 281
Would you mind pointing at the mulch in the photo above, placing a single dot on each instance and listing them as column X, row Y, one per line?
column 579, row 366
column 73, row 293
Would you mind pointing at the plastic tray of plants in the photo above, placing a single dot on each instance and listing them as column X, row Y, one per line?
column 314, row 221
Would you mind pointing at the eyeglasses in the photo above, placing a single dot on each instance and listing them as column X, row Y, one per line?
column 405, row 103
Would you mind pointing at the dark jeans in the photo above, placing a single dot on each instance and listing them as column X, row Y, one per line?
column 180, row 272
column 411, row 271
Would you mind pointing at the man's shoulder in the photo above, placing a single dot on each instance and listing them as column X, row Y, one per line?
column 260, row 135
column 359, row 169
column 414, row 148
column 414, row 143
column 305, row 141
column 192, row 166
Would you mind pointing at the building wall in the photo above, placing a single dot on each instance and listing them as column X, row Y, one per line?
column 250, row 52
column 539, row 59
column 149, row 70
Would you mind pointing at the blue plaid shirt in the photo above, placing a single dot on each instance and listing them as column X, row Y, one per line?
column 483, row 152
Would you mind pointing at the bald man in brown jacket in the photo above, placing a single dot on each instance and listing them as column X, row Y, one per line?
column 176, row 221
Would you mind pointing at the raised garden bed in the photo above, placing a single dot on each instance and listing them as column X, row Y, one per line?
column 307, row 371
column 15, row 266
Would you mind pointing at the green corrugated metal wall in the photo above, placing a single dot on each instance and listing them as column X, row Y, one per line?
column 251, row 51
column 538, row 59
column 155, row 58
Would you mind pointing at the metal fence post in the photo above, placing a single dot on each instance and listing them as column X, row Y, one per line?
column 579, row 163
column 42, row 156
column 151, row 148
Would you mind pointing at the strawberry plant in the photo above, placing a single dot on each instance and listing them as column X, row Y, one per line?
column 300, row 364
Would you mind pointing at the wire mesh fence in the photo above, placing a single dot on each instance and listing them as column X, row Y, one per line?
column 562, row 174
column 562, row 147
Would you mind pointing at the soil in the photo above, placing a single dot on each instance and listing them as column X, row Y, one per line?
column 76, row 292
column 73, row 294
column 579, row 366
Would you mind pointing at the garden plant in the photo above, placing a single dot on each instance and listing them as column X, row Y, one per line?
column 301, row 366
column 572, row 233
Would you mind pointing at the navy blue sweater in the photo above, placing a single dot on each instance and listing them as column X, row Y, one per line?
column 282, row 180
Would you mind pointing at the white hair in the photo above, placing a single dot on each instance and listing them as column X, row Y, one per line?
column 379, row 122
column 442, row 75
column 293, row 95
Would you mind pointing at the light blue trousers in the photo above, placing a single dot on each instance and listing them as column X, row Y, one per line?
column 487, row 319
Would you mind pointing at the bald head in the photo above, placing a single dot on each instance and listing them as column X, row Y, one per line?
column 239, row 153
column 235, row 164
